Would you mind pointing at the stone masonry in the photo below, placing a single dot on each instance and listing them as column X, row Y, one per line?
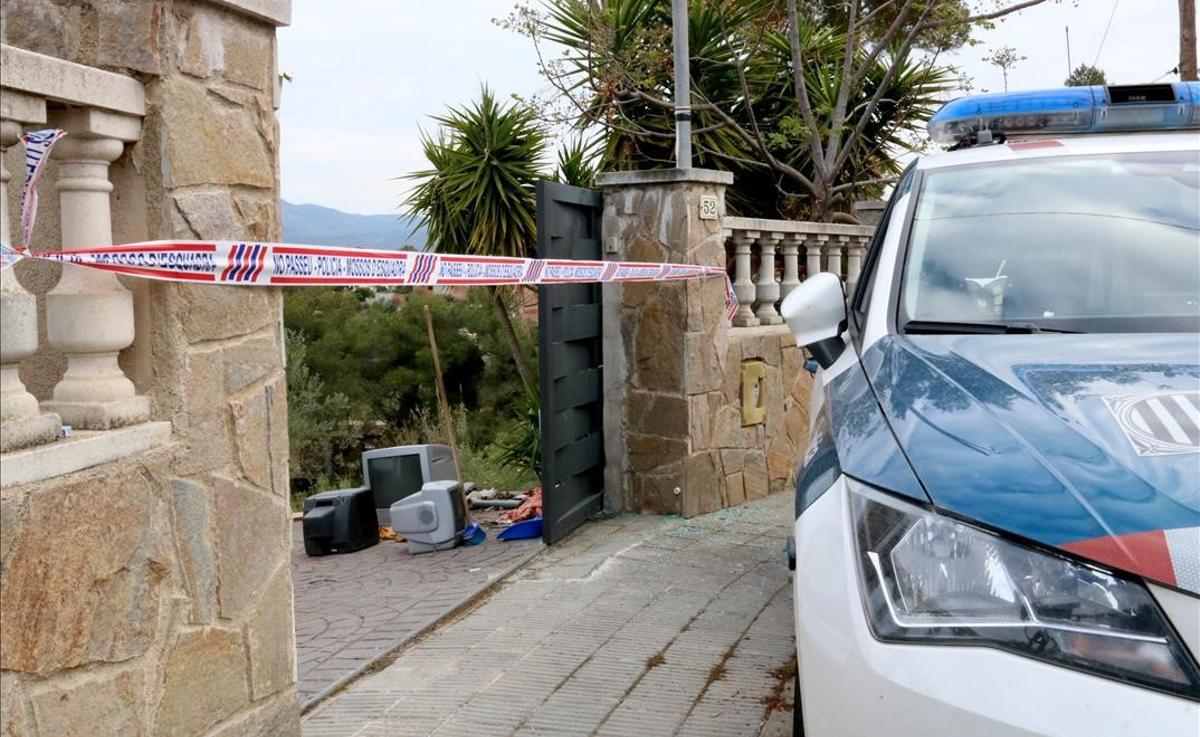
column 151, row 595
column 674, row 434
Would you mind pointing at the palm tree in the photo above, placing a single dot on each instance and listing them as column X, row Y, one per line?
column 478, row 194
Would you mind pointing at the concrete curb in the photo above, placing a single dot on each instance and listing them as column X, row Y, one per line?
column 466, row 604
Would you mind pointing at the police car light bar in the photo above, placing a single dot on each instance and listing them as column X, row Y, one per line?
column 1098, row 109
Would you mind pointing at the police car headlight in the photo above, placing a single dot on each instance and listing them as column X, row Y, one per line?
column 929, row 579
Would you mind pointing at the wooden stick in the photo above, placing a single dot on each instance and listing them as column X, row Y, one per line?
column 443, row 403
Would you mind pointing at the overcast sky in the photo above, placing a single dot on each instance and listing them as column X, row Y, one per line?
column 367, row 74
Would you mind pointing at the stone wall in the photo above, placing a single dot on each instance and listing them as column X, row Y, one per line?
column 759, row 458
column 151, row 595
column 674, row 435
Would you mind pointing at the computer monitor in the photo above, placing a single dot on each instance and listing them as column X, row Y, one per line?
column 398, row 472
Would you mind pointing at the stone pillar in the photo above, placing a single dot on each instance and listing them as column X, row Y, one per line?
column 21, row 422
column 664, row 344
column 767, row 289
column 89, row 314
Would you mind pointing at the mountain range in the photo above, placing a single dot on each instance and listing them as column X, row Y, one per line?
column 324, row 226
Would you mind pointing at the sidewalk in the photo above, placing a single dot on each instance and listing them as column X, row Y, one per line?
column 637, row 626
column 352, row 609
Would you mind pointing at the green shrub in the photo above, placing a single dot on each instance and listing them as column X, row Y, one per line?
column 360, row 374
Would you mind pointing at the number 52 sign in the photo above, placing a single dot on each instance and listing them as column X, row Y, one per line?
column 709, row 207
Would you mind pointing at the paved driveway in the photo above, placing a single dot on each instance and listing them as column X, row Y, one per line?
column 633, row 626
column 351, row 609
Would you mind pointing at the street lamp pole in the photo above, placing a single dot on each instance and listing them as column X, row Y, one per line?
column 683, row 87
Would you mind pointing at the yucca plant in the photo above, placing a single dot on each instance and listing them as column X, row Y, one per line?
column 577, row 163
column 807, row 103
column 478, row 194
column 520, row 444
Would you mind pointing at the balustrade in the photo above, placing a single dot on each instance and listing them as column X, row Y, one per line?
column 89, row 314
column 758, row 245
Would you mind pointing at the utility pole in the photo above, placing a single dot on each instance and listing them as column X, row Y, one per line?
column 1187, row 40
column 683, row 85
column 1069, row 67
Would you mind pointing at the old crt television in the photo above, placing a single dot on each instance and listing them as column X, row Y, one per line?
column 395, row 473
column 433, row 518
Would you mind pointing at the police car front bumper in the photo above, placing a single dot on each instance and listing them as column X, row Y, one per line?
column 853, row 684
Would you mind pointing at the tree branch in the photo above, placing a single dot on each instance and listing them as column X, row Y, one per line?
column 982, row 16
column 862, row 183
column 884, row 41
column 737, row 128
column 843, row 96
column 876, row 98
column 800, row 89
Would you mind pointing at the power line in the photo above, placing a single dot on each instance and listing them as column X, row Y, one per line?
column 1106, row 27
column 1172, row 70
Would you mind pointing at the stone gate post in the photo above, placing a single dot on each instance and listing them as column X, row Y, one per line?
column 664, row 343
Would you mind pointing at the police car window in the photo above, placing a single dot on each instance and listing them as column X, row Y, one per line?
column 870, row 266
column 1075, row 243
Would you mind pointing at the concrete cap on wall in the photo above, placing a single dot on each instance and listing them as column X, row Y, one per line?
column 663, row 176
column 276, row 12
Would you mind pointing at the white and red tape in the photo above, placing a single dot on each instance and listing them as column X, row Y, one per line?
column 284, row 264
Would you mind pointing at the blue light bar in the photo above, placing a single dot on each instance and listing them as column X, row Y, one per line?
column 1070, row 110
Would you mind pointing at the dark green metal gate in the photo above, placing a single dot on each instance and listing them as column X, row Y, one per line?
column 569, row 350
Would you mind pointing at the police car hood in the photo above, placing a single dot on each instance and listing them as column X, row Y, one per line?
column 1090, row 443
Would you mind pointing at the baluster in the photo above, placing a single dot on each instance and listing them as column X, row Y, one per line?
column 767, row 289
column 21, row 421
column 833, row 255
column 854, row 260
column 743, row 285
column 812, row 248
column 89, row 314
column 791, row 264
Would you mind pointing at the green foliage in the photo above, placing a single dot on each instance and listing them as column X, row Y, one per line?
column 943, row 35
column 478, row 195
column 321, row 422
column 616, row 63
column 577, row 163
column 1085, row 75
column 520, row 443
column 376, row 356
column 479, row 458
column 481, row 466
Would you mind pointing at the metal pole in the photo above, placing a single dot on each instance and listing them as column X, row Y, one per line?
column 1070, row 68
column 683, row 86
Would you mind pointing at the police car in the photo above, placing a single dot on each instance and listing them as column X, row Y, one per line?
column 998, row 516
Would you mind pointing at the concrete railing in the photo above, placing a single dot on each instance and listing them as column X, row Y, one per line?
column 89, row 315
column 770, row 258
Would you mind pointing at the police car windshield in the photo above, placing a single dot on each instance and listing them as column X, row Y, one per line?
column 1101, row 243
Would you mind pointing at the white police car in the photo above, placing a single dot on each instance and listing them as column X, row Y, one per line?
column 998, row 518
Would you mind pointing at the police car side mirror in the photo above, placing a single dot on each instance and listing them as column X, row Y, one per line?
column 816, row 313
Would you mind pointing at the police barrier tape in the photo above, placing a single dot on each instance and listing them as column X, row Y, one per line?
column 284, row 264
